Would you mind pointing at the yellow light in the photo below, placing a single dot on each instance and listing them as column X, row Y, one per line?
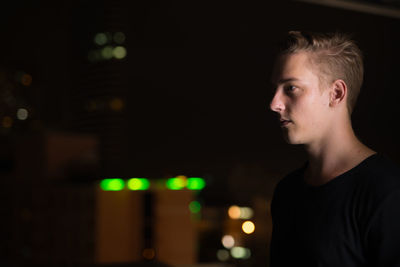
column 117, row 104
column 248, row 227
column 234, row 212
column 119, row 52
column 228, row 241
column 7, row 122
column 22, row 114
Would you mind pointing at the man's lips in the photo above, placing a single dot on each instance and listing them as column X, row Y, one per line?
column 284, row 122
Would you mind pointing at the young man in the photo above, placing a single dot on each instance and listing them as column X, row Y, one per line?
column 342, row 208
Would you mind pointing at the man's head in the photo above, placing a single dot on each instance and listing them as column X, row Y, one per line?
column 335, row 56
column 317, row 79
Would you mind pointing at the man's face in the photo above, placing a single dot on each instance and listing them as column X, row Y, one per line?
column 301, row 105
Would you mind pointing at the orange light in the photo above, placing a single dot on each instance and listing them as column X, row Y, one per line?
column 117, row 104
column 234, row 212
column 26, row 79
column 149, row 253
column 7, row 122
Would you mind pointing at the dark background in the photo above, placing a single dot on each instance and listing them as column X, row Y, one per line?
column 195, row 84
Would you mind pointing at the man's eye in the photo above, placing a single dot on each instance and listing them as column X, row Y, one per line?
column 290, row 88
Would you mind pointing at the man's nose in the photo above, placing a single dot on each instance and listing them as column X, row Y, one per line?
column 277, row 104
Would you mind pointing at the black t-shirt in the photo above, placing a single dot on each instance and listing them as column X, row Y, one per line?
column 353, row 220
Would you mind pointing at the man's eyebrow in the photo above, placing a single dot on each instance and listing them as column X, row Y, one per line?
column 287, row 80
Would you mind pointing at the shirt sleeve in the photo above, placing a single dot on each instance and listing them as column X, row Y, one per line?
column 383, row 238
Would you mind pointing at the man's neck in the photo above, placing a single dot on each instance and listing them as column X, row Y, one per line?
column 337, row 154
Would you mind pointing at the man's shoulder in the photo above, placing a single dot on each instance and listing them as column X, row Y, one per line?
column 378, row 175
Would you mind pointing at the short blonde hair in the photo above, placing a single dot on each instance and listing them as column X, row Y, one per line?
column 336, row 55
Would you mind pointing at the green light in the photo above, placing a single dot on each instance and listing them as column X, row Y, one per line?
column 119, row 37
column 113, row 184
column 119, row 52
column 194, row 206
column 107, row 52
column 100, row 39
column 195, row 183
column 176, row 183
column 138, row 184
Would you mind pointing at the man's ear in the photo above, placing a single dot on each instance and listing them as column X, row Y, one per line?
column 338, row 93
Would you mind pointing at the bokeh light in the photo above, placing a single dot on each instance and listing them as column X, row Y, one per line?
column 117, row 104
column 22, row 114
column 234, row 212
column 119, row 52
column 195, row 183
column 26, row 79
column 248, row 227
column 107, row 52
column 100, row 38
column 228, row 241
column 176, row 183
column 149, row 253
column 194, row 206
column 119, row 37
column 223, row 255
column 246, row 213
column 138, row 184
column 112, row 184
column 7, row 122
column 240, row 253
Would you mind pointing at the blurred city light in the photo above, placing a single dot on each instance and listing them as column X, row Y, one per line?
column 26, row 79
column 119, row 52
column 22, row 114
column 149, row 253
column 228, row 241
column 138, row 184
column 195, row 183
column 7, row 122
column 234, row 212
column 100, row 38
column 223, row 254
column 194, row 207
column 177, row 183
column 107, row 52
column 246, row 213
column 116, row 104
column 240, row 253
column 119, row 37
column 112, row 184
column 248, row 227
